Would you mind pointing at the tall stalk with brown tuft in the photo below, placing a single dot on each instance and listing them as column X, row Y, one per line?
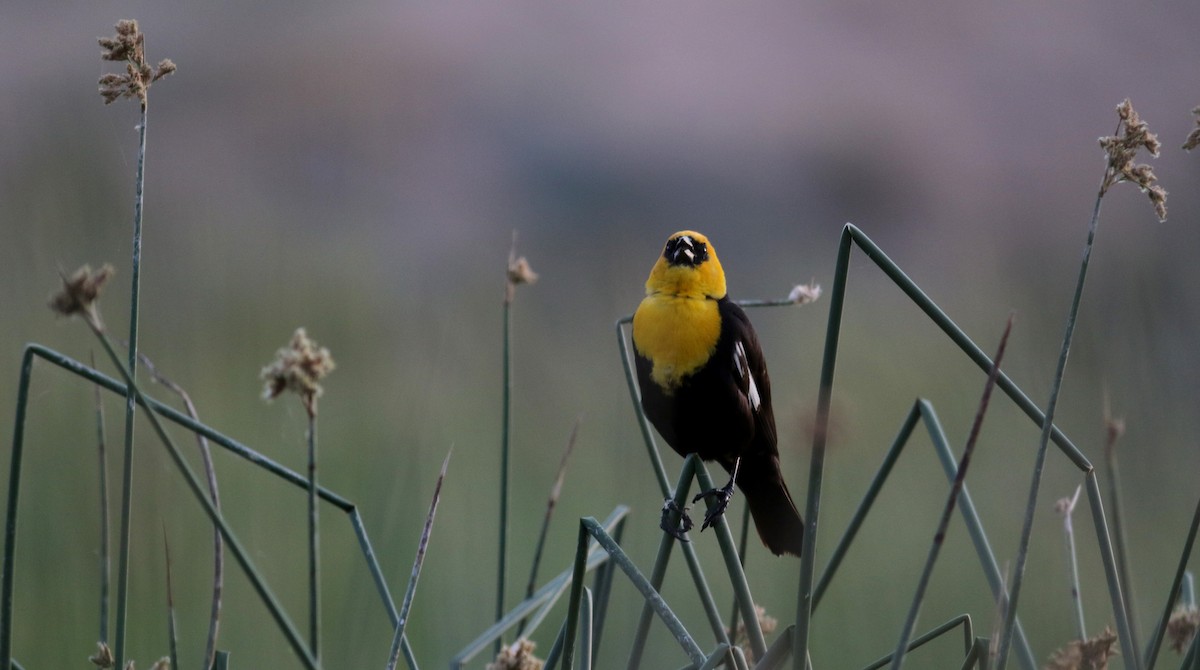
column 128, row 45
column 1121, row 150
column 518, row 272
column 299, row 367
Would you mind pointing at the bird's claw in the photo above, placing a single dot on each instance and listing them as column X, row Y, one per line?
column 723, row 495
column 676, row 530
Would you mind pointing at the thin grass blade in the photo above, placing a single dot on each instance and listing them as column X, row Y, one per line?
column 410, row 592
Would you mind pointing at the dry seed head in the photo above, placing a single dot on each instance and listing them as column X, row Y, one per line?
column 1132, row 136
column 802, row 294
column 1090, row 654
column 163, row 663
column 1193, row 138
column 1182, row 627
column 1115, row 428
column 79, row 292
column 298, row 367
column 519, row 272
column 1066, row 506
column 517, row 656
column 741, row 637
column 129, row 45
column 103, row 658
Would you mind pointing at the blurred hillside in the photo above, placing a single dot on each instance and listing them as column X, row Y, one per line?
column 359, row 170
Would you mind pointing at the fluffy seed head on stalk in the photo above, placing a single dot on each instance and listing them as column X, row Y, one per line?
column 1193, row 138
column 129, row 45
column 79, row 292
column 1090, row 654
column 803, row 294
column 103, row 658
column 1115, row 428
column 519, row 272
column 1132, row 136
column 741, row 637
column 517, row 656
column 298, row 367
column 1182, row 627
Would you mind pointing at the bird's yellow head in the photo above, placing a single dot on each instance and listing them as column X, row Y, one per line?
column 688, row 267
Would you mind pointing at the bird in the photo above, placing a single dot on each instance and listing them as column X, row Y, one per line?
column 704, row 386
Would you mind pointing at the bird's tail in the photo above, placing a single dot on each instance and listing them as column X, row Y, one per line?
column 779, row 524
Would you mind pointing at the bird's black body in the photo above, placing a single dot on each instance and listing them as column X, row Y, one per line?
column 723, row 411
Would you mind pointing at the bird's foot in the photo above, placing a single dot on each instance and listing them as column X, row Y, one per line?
column 668, row 523
column 722, row 495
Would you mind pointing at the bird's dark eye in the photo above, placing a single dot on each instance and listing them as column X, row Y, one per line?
column 685, row 250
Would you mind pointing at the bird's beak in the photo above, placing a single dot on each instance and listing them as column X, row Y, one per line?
column 684, row 253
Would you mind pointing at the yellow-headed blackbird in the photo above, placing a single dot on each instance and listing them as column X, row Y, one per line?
column 705, row 388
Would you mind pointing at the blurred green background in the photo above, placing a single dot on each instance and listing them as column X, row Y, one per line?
column 359, row 168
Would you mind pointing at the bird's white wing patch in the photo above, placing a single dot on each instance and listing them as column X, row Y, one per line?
column 743, row 369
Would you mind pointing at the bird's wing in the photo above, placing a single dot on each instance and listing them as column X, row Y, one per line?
column 749, row 370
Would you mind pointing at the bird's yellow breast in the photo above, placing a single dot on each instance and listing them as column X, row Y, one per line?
column 678, row 333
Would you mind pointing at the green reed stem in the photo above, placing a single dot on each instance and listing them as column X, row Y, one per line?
column 189, row 423
column 130, row 404
column 589, row 526
column 314, row 544
column 733, row 566
column 585, row 630
column 1118, row 515
column 544, row 598
column 837, row 299
column 602, row 586
column 105, row 560
column 659, row 571
column 716, row 657
column 963, row 620
column 172, row 636
column 851, row 234
column 210, row 473
column 743, row 540
column 505, row 437
column 1018, row 577
column 10, row 522
column 1111, row 576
